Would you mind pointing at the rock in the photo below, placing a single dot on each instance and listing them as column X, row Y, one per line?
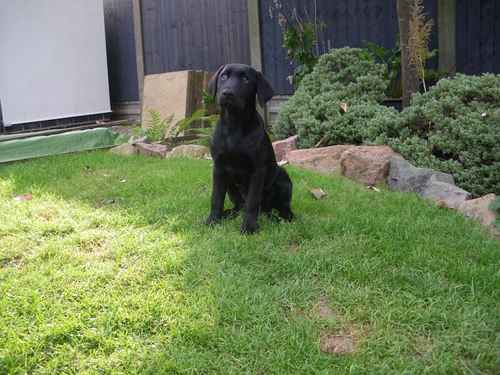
column 152, row 149
column 189, row 151
column 323, row 160
column 318, row 193
column 125, row 150
column 283, row 147
column 405, row 177
column 444, row 194
column 479, row 209
column 368, row 165
column 137, row 139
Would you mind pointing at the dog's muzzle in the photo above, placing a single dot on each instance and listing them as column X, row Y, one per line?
column 228, row 99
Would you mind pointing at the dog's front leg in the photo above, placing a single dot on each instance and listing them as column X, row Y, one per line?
column 253, row 201
column 219, row 189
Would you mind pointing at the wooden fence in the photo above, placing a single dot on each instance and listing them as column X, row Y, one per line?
column 194, row 34
column 120, row 45
column 203, row 34
column 478, row 36
column 347, row 23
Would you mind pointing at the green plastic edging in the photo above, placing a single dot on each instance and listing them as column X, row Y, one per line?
column 56, row 144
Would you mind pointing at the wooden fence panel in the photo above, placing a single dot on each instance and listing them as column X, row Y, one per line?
column 194, row 34
column 120, row 47
column 348, row 23
column 478, row 36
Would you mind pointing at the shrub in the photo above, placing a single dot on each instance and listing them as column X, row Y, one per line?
column 455, row 128
column 314, row 112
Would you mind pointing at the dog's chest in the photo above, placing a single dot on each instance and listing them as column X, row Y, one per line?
column 236, row 145
column 236, row 152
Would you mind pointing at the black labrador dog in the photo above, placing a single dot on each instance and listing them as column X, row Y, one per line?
column 244, row 162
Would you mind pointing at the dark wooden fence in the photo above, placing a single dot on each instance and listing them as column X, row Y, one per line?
column 347, row 23
column 203, row 34
column 478, row 36
column 194, row 34
column 120, row 44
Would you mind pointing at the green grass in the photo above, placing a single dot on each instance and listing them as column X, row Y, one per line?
column 110, row 270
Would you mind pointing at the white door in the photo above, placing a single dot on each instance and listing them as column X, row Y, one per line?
column 52, row 60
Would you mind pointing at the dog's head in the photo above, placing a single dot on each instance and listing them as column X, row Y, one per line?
column 236, row 85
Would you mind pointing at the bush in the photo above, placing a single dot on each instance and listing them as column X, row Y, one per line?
column 455, row 128
column 344, row 75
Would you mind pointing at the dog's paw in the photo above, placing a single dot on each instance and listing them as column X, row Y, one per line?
column 249, row 227
column 287, row 215
column 230, row 213
column 272, row 217
column 213, row 220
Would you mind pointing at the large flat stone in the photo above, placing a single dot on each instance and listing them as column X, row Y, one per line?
column 323, row 160
column 444, row 194
column 152, row 149
column 479, row 209
column 405, row 177
column 283, row 147
column 125, row 150
column 368, row 165
column 189, row 151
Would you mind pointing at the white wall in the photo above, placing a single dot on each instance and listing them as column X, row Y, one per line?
column 52, row 59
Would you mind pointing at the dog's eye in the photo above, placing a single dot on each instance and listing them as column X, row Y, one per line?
column 223, row 77
column 245, row 79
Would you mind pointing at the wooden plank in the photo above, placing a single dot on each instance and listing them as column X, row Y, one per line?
column 342, row 22
column 391, row 25
column 254, row 34
column 120, row 47
column 487, row 36
column 461, row 32
column 139, row 49
column 473, row 37
column 446, row 26
column 496, row 32
column 202, row 34
column 354, row 32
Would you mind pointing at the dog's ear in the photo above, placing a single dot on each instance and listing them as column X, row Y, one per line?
column 264, row 89
column 212, row 84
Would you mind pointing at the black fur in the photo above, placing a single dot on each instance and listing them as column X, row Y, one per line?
column 244, row 162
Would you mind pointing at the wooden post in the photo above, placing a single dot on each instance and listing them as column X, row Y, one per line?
column 139, row 50
column 255, row 44
column 447, row 35
column 254, row 34
column 409, row 74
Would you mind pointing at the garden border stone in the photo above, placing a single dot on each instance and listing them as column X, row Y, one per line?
column 151, row 149
column 372, row 165
column 405, row 177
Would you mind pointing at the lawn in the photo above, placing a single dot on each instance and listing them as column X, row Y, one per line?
column 109, row 269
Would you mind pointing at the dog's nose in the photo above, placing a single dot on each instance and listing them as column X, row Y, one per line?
column 227, row 94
